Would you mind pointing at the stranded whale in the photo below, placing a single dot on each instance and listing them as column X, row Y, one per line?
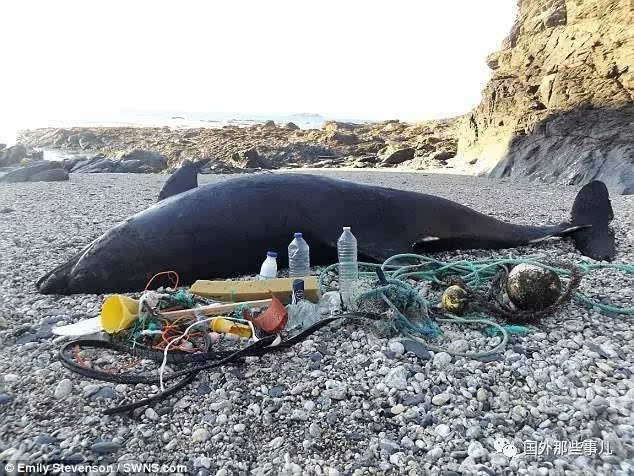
column 225, row 229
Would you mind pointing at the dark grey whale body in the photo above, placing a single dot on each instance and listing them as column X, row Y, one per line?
column 225, row 229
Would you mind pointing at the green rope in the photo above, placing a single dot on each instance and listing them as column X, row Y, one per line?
column 475, row 274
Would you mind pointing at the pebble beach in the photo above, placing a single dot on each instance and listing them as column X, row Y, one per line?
column 346, row 401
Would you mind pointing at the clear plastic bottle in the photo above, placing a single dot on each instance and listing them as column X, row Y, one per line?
column 269, row 267
column 298, row 257
column 348, row 265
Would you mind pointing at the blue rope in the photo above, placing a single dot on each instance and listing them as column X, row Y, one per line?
column 398, row 294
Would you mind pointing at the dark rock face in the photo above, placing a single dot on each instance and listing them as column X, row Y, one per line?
column 136, row 161
column 43, row 171
column 51, row 175
column 558, row 105
column 396, row 155
column 341, row 138
column 12, row 155
column 589, row 144
column 139, row 160
column 250, row 159
column 291, row 126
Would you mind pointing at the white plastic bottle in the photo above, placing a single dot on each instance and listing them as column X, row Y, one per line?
column 269, row 267
column 298, row 257
column 348, row 265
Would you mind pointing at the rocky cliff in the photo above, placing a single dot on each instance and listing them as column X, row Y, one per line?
column 560, row 104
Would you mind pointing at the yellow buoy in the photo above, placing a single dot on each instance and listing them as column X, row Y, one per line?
column 455, row 300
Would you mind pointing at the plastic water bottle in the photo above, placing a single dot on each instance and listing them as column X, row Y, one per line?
column 298, row 257
column 348, row 266
column 269, row 267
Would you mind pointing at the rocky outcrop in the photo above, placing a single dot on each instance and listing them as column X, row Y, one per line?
column 51, row 175
column 42, row 171
column 258, row 147
column 558, row 107
column 12, row 155
column 135, row 161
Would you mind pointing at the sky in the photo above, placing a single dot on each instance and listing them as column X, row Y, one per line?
column 402, row 59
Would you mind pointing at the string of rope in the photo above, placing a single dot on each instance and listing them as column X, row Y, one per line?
column 475, row 275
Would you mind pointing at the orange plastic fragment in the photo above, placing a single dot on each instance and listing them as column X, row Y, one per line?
column 273, row 319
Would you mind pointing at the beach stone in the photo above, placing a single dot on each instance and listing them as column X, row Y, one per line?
column 44, row 440
column 105, row 447
column 276, row 442
column 460, row 345
column 443, row 430
column 389, row 446
column 397, row 348
column 428, row 420
column 277, row 391
column 440, row 399
column 314, row 430
column 104, row 393
column 434, row 453
column 90, row 389
column 63, row 389
column 299, row 415
column 473, row 432
column 200, row 435
column 416, row 348
column 332, row 418
column 476, row 450
column 335, row 390
column 482, row 395
column 441, row 360
column 413, row 399
column 396, row 378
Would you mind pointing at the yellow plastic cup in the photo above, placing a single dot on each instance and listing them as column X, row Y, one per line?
column 118, row 313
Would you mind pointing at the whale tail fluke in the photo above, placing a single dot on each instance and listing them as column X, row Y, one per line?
column 592, row 212
column 588, row 227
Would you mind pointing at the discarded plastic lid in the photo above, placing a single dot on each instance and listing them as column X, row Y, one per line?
column 298, row 235
column 272, row 254
column 346, row 228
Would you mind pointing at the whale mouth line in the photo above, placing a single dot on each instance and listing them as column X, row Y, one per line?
column 51, row 282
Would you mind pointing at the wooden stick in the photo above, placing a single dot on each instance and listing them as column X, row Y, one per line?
column 214, row 310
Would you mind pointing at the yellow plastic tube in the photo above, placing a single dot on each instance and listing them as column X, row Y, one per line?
column 225, row 326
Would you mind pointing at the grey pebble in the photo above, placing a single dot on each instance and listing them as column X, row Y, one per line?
column 277, row 391
column 105, row 447
column 416, row 348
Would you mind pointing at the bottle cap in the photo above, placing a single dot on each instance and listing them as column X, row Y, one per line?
column 272, row 254
column 298, row 235
column 346, row 228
